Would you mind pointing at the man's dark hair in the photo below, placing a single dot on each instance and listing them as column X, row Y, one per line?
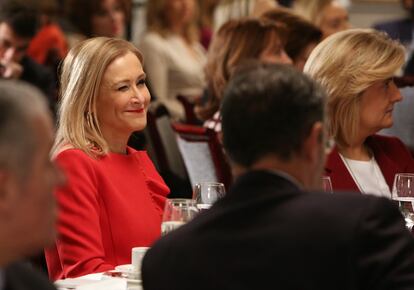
column 268, row 109
column 22, row 18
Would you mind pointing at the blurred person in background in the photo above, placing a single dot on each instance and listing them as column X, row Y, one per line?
column 114, row 198
column 356, row 67
column 207, row 8
column 28, row 177
column 237, row 41
column 301, row 36
column 174, row 57
column 235, row 9
column 402, row 30
column 91, row 18
column 18, row 25
column 49, row 45
column 329, row 15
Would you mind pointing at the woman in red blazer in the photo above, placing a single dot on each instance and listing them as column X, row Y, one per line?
column 356, row 67
column 114, row 198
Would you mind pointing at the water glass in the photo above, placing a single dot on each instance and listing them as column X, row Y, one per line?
column 206, row 193
column 403, row 192
column 327, row 184
column 177, row 212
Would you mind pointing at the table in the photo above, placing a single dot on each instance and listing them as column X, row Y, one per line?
column 98, row 281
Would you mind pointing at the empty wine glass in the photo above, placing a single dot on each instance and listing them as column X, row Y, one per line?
column 403, row 192
column 206, row 193
column 327, row 184
column 177, row 212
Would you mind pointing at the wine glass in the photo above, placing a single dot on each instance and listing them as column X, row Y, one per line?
column 206, row 193
column 403, row 192
column 327, row 184
column 177, row 211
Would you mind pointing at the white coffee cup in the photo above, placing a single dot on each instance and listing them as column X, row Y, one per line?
column 137, row 254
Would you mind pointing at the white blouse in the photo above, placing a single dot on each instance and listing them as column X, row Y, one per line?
column 173, row 69
column 367, row 176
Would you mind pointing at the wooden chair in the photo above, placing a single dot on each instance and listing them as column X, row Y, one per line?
column 203, row 154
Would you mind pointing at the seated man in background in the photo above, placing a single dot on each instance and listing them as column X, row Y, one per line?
column 274, row 227
column 27, row 179
column 18, row 25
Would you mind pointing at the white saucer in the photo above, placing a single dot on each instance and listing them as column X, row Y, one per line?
column 125, row 271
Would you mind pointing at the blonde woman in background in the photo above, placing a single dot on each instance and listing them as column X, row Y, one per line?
column 174, row 57
column 356, row 67
column 329, row 15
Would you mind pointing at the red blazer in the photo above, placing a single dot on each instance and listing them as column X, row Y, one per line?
column 390, row 153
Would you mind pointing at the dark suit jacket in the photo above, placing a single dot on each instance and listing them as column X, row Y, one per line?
column 400, row 29
column 41, row 77
column 390, row 153
column 267, row 234
column 20, row 276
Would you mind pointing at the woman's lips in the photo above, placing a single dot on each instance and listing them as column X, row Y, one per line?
column 138, row 111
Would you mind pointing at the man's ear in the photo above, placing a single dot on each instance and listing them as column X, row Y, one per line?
column 311, row 149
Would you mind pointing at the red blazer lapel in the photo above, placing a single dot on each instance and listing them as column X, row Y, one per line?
column 340, row 177
column 387, row 165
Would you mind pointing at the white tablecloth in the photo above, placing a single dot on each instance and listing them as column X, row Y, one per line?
column 98, row 281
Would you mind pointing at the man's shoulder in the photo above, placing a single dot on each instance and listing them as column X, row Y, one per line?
column 22, row 276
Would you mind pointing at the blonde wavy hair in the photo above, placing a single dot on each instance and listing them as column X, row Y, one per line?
column 346, row 64
column 81, row 78
column 157, row 20
column 311, row 9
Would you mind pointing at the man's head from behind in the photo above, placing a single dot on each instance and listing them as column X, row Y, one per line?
column 18, row 25
column 27, row 176
column 273, row 112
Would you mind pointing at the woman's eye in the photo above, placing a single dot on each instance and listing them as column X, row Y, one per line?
column 387, row 83
column 123, row 88
column 141, row 82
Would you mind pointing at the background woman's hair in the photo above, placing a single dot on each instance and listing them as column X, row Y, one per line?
column 235, row 42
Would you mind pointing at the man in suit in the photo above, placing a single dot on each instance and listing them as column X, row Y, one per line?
column 274, row 228
column 27, row 179
column 18, row 25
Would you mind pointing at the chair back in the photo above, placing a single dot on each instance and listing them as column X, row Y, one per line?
column 203, row 154
column 164, row 145
column 190, row 117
